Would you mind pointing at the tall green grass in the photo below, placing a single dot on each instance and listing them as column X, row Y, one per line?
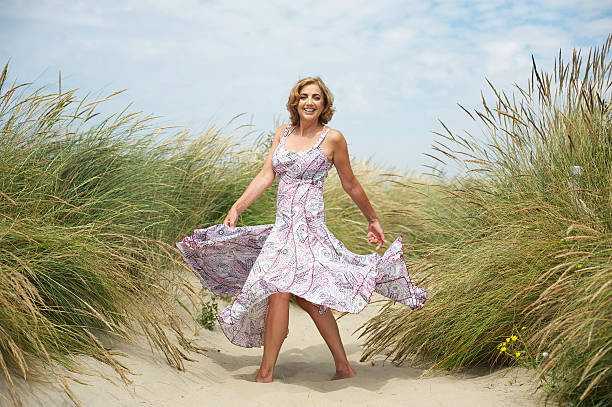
column 90, row 209
column 523, row 238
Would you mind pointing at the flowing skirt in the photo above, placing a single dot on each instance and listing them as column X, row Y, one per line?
column 254, row 262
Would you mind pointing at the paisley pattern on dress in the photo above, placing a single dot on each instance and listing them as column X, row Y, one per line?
column 296, row 254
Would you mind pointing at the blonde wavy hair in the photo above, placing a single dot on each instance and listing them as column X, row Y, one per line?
column 294, row 98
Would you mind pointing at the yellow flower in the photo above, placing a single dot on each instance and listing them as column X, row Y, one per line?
column 513, row 338
column 523, row 328
column 503, row 349
column 518, row 354
column 579, row 266
column 507, row 339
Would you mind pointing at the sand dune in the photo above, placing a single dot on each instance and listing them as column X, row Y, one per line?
column 223, row 376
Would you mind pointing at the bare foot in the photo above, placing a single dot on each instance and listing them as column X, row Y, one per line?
column 344, row 373
column 260, row 378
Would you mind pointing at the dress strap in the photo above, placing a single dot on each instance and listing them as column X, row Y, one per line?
column 322, row 137
column 288, row 130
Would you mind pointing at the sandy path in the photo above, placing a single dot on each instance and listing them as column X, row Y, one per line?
column 223, row 377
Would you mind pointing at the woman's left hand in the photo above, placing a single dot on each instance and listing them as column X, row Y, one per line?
column 376, row 234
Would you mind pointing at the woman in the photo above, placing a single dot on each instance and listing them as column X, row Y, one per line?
column 263, row 265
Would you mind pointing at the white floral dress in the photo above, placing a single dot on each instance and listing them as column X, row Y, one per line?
column 296, row 254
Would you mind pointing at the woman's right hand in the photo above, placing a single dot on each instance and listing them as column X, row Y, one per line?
column 376, row 234
column 231, row 218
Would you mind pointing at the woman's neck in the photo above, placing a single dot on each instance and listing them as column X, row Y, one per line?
column 308, row 128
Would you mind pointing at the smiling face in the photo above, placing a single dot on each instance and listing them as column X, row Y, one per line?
column 310, row 99
column 311, row 103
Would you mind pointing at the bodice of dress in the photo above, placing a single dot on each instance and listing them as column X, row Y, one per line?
column 306, row 166
column 300, row 186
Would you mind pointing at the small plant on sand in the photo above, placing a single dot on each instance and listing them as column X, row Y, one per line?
column 515, row 347
column 207, row 316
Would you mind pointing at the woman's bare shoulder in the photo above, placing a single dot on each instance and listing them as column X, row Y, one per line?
column 279, row 132
column 335, row 137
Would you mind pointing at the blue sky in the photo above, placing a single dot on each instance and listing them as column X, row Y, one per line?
column 395, row 67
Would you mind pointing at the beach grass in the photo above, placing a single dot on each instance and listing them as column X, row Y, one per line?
column 521, row 239
column 90, row 209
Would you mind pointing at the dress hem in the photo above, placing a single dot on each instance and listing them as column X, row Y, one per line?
column 388, row 257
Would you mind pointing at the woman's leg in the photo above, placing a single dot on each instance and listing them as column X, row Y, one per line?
column 277, row 324
column 328, row 328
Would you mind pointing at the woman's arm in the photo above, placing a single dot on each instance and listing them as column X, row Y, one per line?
column 260, row 183
column 352, row 186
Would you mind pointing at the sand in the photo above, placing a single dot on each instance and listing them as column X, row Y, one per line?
column 223, row 377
